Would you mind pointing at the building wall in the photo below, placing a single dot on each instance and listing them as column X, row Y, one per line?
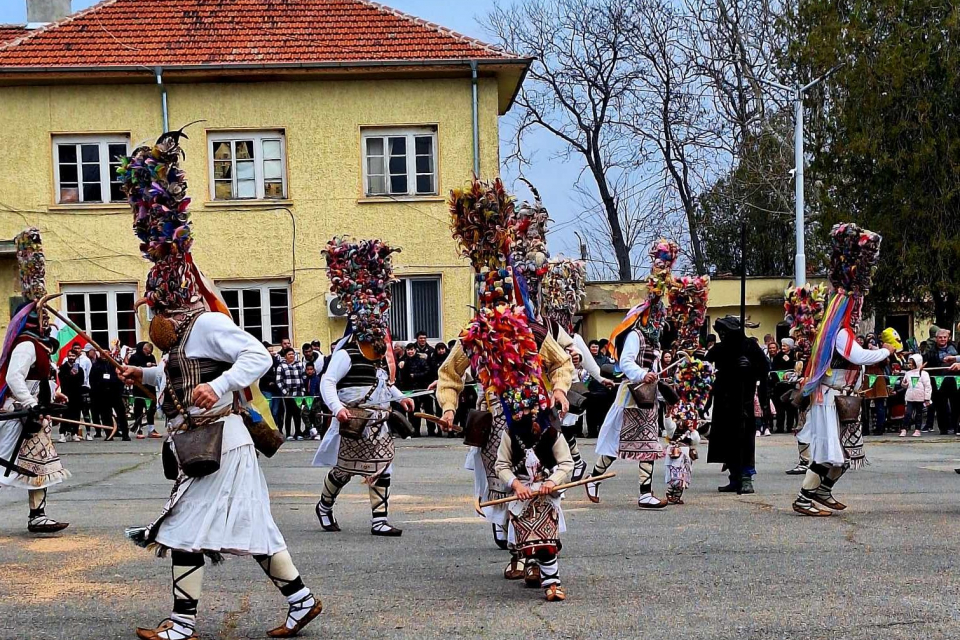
column 255, row 241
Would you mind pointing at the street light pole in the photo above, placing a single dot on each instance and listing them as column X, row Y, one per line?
column 800, row 260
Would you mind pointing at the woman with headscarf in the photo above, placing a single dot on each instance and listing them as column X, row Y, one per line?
column 143, row 357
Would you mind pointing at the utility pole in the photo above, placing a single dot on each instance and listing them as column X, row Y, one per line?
column 798, row 92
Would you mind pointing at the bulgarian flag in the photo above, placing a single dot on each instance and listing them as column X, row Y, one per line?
column 67, row 338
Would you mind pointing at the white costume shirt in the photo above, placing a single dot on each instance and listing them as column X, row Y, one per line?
column 216, row 337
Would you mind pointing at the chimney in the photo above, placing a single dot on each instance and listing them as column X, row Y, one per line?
column 43, row 12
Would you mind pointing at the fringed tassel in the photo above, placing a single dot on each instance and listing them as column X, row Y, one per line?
column 138, row 535
column 47, row 479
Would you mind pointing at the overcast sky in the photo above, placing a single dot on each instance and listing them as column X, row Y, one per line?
column 553, row 179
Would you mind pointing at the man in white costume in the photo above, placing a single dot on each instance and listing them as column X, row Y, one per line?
column 29, row 460
column 202, row 381
column 834, row 374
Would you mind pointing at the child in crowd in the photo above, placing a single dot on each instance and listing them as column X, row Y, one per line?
column 918, row 395
column 314, row 423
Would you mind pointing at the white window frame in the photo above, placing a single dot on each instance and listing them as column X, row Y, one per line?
column 258, row 138
column 410, row 133
column 411, row 324
column 111, row 290
column 264, row 287
column 103, row 141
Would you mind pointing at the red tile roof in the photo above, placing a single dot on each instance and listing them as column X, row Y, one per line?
column 10, row 32
column 226, row 32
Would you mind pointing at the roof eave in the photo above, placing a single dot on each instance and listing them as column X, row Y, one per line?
column 420, row 62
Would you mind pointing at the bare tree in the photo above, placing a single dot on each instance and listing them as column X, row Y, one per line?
column 577, row 89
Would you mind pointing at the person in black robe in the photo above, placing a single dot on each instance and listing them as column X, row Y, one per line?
column 740, row 366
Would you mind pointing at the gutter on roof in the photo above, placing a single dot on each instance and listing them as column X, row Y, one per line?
column 475, row 104
column 442, row 62
column 158, row 71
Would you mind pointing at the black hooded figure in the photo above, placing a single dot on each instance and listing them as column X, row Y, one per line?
column 740, row 365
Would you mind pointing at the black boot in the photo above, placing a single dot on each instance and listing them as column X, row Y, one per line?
column 746, row 485
column 733, row 487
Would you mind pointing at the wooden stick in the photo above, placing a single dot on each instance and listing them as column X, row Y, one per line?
column 103, row 353
column 569, row 485
column 438, row 421
column 79, row 423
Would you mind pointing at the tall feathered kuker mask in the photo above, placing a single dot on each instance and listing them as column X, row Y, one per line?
column 30, row 259
column 649, row 316
column 33, row 285
column 498, row 340
column 156, row 188
column 360, row 273
column 853, row 261
column 564, row 286
column 483, row 221
column 529, row 256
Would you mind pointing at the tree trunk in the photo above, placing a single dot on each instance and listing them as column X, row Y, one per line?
column 945, row 310
column 620, row 248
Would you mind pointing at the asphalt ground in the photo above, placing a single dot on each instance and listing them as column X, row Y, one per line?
column 720, row 566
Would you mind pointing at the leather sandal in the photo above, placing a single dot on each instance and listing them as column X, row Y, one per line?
column 531, row 575
column 593, row 492
column 327, row 521
column 154, row 634
column 284, row 632
column 828, row 501
column 43, row 524
column 809, row 509
column 555, row 593
column 514, row 570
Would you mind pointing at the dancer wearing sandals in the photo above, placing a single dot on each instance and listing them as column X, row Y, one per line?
column 359, row 377
column 631, row 431
column 494, row 253
column 532, row 460
column 25, row 385
column 220, row 503
column 834, row 373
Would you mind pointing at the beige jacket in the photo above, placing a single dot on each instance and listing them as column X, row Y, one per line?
column 557, row 367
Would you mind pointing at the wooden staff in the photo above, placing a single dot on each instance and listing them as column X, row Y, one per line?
column 569, row 485
column 82, row 424
column 103, row 353
column 439, row 421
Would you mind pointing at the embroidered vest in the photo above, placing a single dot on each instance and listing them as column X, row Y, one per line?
column 543, row 449
column 647, row 355
column 363, row 372
column 39, row 370
column 183, row 373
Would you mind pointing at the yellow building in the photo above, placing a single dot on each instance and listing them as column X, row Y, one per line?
column 606, row 303
column 348, row 120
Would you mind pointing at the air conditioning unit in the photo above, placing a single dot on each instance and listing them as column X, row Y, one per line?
column 335, row 307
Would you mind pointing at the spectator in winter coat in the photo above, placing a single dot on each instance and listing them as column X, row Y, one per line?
column 71, row 385
column 918, row 396
column 107, row 391
column 290, row 374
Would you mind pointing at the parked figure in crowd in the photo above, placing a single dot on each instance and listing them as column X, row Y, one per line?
column 268, row 386
column 85, row 361
column 417, row 370
column 781, row 364
column 71, row 385
column 918, row 396
column 943, row 354
column 143, row 358
column 314, row 423
column 290, row 375
column 107, row 391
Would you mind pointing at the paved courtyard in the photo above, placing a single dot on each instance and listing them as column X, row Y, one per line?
column 718, row 567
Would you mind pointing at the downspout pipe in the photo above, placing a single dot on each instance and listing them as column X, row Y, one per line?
column 158, row 72
column 476, row 118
